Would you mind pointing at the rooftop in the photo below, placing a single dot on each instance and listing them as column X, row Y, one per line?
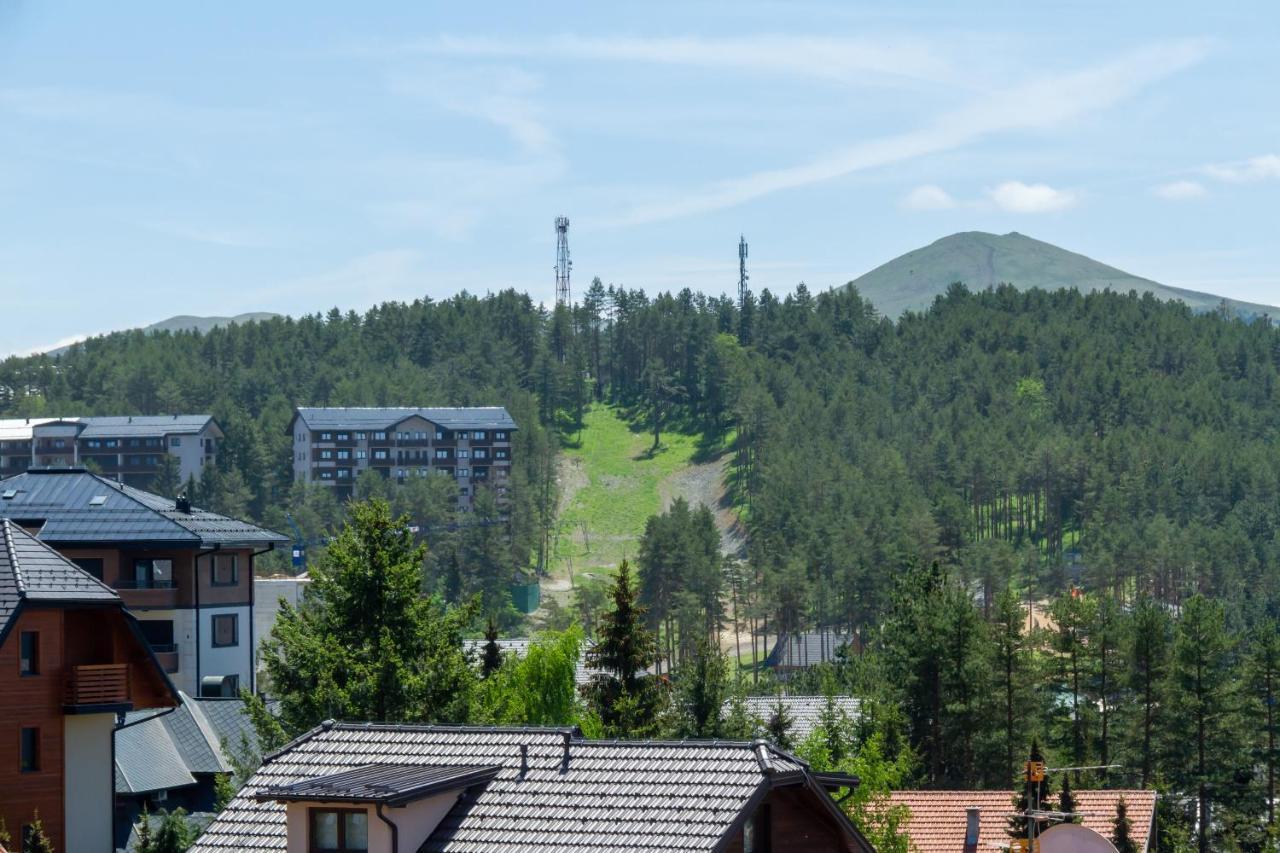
column 392, row 784
column 112, row 426
column 31, row 571
column 476, row 417
column 806, row 712
column 72, row 506
column 938, row 818
column 157, row 750
column 550, row 789
column 807, row 649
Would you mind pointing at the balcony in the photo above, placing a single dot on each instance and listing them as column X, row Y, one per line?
column 167, row 657
column 97, row 685
column 144, row 584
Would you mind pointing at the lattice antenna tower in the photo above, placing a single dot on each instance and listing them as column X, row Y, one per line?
column 742, row 271
column 563, row 264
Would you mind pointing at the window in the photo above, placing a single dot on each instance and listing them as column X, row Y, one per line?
column 93, row 443
column 481, row 454
column 464, row 472
column 344, row 436
column 442, row 454
column 439, row 435
column 326, row 454
column 175, row 441
column 344, row 473
column 380, row 436
column 499, row 454
column 499, row 436
column 463, row 454
column 326, row 475
column 29, row 762
column 153, row 574
column 339, row 830
column 478, row 435
column 758, row 832
column 326, row 436
column 29, row 653
column 344, row 454
column 225, row 570
column 154, row 442
column 362, row 454
column 92, row 565
column 59, row 442
column 379, row 454
column 112, row 442
column 158, row 634
column 226, row 630
column 361, row 436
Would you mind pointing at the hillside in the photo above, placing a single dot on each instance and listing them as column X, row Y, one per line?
column 191, row 323
column 981, row 260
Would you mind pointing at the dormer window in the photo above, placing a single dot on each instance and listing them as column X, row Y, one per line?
column 340, row 830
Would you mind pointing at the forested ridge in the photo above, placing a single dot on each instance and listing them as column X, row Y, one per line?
column 1109, row 457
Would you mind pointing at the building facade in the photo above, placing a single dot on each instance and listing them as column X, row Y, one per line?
column 334, row 446
column 71, row 659
column 131, row 449
column 184, row 572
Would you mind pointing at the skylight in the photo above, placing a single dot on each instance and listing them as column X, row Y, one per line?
column 9, row 494
column 97, row 500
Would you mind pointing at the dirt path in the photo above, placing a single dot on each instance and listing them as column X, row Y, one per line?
column 704, row 483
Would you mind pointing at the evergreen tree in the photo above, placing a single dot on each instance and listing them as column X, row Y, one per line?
column 146, row 841
column 1011, row 672
column 167, row 480
column 1148, row 657
column 35, row 840
column 622, row 694
column 1067, row 801
column 1019, row 821
column 1264, row 678
column 491, row 661
column 1122, row 829
column 779, row 725
column 700, row 692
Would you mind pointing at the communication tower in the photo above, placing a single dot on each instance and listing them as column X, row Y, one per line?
column 563, row 264
column 742, row 271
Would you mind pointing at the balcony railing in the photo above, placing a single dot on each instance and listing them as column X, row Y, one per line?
column 98, row 684
column 167, row 657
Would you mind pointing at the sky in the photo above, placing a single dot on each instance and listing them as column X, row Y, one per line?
column 218, row 158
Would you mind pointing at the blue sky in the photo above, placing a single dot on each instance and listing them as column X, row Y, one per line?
column 168, row 158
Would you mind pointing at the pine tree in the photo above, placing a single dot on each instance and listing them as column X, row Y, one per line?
column 779, row 725
column 36, row 840
column 701, row 685
column 1122, row 829
column 623, row 695
column 1067, row 801
column 1264, row 677
column 491, row 661
column 1019, row 822
column 146, row 841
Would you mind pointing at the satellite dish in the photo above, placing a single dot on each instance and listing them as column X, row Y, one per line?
column 1073, row 838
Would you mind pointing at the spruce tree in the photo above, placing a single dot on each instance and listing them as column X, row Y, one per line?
column 779, row 725
column 1067, row 801
column 623, row 695
column 491, row 661
column 1122, row 829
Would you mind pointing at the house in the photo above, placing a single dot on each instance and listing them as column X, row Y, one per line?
column 805, row 712
column 802, row 650
column 939, row 820
column 128, row 448
column 166, row 759
column 334, row 446
column 71, row 659
column 184, row 572
column 396, row 789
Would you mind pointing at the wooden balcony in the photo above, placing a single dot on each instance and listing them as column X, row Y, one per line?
column 105, row 684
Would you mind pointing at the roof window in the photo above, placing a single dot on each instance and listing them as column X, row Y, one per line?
column 97, row 500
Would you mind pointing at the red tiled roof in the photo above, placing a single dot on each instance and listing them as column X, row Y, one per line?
column 937, row 821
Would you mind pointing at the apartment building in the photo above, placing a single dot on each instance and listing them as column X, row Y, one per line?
column 127, row 448
column 71, row 659
column 184, row 572
column 333, row 446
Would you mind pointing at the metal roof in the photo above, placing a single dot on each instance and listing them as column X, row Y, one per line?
column 552, row 791
column 64, row 500
column 807, row 649
column 32, row 571
column 156, row 750
column 111, row 426
column 475, row 417
column 19, row 429
column 393, row 784
column 147, row 759
column 805, row 712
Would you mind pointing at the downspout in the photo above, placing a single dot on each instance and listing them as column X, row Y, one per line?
column 195, row 569
column 253, row 594
column 395, row 830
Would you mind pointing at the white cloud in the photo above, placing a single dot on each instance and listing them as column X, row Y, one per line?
column 369, row 278
column 929, row 197
column 236, row 238
column 1180, row 190
column 1017, row 197
column 1041, row 104
column 58, row 344
column 1263, row 168
column 836, row 59
column 502, row 96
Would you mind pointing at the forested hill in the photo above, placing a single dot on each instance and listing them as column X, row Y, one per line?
column 981, row 260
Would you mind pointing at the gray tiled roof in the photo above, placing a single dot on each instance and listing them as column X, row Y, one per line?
column 807, row 649
column 474, row 417
column 64, row 500
column 805, row 711
column 573, row 795
column 157, row 750
column 383, row 783
column 112, row 426
column 32, row 571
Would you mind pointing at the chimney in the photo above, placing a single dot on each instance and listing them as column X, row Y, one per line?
column 524, row 760
column 973, row 825
column 183, row 504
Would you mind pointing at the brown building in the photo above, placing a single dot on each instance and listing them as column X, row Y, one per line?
column 129, row 448
column 184, row 572
column 433, row 789
column 333, row 447
column 71, row 659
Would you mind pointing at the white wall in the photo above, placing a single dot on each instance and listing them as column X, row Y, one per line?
column 267, row 593
column 90, row 782
column 184, row 635
column 230, row 660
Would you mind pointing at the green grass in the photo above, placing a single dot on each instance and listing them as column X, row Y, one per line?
column 620, row 492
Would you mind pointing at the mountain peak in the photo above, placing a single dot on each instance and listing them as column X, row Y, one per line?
column 979, row 260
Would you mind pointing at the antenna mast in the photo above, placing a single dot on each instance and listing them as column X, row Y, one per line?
column 742, row 271
column 563, row 264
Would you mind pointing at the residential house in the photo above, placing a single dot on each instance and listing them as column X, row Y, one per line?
column 129, row 448
column 168, row 759
column 801, row 650
column 939, row 821
column 333, row 446
column 384, row 788
column 186, row 573
column 71, row 659
column 806, row 713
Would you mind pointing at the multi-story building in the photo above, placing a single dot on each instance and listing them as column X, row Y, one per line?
column 184, row 572
column 71, row 659
column 128, row 448
column 333, row 447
